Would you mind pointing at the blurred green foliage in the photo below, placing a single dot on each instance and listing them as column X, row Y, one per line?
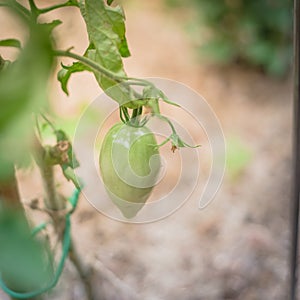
column 23, row 261
column 23, row 91
column 255, row 32
column 238, row 157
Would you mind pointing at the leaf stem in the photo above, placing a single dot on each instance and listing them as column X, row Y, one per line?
column 34, row 9
column 121, row 116
column 125, row 112
column 16, row 5
column 84, row 270
column 90, row 63
column 164, row 118
column 50, row 8
column 134, row 113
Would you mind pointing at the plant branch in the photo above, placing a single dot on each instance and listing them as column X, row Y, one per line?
column 9, row 192
column 18, row 7
column 50, row 8
column 34, row 9
column 53, row 202
column 164, row 118
column 83, row 270
column 90, row 63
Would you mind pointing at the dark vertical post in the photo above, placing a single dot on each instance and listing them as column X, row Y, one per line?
column 296, row 159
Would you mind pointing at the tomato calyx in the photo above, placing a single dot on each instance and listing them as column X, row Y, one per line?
column 137, row 119
column 176, row 143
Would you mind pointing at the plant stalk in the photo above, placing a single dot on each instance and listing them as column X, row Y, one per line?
column 83, row 270
column 9, row 192
column 90, row 63
column 53, row 202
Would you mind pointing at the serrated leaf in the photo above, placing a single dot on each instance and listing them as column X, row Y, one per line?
column 117, row 17
column 106, row 23
column 106, row 30
column 10, row 43
column 103, row 35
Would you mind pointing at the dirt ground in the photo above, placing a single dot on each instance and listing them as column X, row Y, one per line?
column 237, row 247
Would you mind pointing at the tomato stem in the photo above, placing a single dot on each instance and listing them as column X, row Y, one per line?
column 50, row 8
column 140, row 110
column 134, row 114
column 126, row 114
column 124, row 80
column 121, row 115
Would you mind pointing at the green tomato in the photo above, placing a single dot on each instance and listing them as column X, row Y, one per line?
column 129, row 164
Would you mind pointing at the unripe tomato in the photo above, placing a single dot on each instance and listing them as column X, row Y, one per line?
column 129, row 164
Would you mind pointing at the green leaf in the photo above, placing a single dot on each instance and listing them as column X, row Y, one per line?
column 65, row 73
column 109, row 2
column 106, row 30
column 117, row 17
column 10, row 43
column 151, row 92
column 70, row 175
column 106, row 24
column 23, row 262
column 23, row 90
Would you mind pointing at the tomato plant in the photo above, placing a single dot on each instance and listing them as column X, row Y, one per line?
column 25, row 112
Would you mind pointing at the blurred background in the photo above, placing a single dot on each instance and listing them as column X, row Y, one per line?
column 238, row 55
